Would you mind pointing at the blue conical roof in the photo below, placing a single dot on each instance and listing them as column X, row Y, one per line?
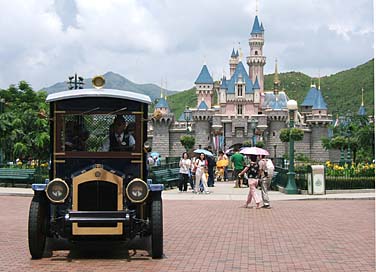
column 204, row 77
column 319, row 103
column 162, row 103
column 309, row 100
column 256, row 29
column 233, row 55
column 362, row 111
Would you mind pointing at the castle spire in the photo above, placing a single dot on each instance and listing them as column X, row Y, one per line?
column 362, row 97
column 161, row 88
column 256, row 7
column 276, row 77
column 240, row 53
column 319, row 80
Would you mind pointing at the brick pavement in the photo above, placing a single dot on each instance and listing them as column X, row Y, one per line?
column 334, row 235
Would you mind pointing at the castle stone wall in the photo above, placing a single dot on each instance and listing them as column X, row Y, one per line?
column 273, row 143
column 318, row 153
column 202, row 133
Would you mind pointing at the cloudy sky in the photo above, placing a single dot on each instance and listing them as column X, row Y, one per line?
column 45, row 41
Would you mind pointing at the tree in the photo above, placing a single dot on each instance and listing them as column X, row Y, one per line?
column 297, row 134
column 188, row 141
column 23, row 133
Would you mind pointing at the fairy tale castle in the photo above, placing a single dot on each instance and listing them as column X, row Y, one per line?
column 236, row 109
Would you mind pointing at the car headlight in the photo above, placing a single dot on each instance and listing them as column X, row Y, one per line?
column 57, row 190
column 137, row 190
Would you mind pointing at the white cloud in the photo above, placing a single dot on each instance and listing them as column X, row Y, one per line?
column 45, row 41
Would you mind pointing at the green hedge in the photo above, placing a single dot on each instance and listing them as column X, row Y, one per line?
column 335, row 183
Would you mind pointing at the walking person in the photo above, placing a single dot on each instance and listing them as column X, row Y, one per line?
column 265, row 181
column 201, row 166
column 185, row 165
column 211, row 165
column 238, row 164
column 252, row 170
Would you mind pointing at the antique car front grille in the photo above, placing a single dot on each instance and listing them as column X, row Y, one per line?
column 97, row 196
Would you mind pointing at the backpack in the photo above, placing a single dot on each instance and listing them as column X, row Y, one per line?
column 269, row 168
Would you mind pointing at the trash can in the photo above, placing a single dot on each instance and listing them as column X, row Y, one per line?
column 316, row 180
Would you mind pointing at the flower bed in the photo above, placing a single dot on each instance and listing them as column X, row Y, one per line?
column 350, row 170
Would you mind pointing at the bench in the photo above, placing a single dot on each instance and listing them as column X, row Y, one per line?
column 167, row 177
column 16, row 175
column 173, row 177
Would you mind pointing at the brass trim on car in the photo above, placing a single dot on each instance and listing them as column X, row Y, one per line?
column 97, row 173
column 133, row 181
column 136, row 161
column 62, row 182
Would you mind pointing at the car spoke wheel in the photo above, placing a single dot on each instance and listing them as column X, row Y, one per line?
column 156, row 229
column 37, row 227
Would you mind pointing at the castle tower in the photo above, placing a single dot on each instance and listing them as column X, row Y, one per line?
column 204, row 87
column 161, row 121
column 256, row 60
column 318, row 120
column 234, row 60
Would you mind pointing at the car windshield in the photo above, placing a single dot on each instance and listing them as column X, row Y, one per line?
column 97, row 132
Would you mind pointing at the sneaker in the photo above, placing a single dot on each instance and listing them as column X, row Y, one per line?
column 266, row 207
column 207, row 192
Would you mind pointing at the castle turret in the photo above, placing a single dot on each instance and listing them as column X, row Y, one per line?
column 234, row 60
column 318, row 120
column 161, row 121
column 204, row 87
column 256, row 60
column 362, row 110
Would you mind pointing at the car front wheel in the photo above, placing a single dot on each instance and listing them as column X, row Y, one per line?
column 156, row 229
column 37, row 227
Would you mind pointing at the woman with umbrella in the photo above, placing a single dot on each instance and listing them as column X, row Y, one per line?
column 252, row 170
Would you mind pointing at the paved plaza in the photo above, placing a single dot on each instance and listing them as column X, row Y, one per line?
column 210, row 233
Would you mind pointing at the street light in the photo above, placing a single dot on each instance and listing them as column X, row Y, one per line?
column 292, row 106
column 2, row 104
column 187, row 116
column 253, row 127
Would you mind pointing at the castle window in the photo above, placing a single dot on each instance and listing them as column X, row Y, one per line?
column 240, row 109
column 240, row 90
column 256, row 53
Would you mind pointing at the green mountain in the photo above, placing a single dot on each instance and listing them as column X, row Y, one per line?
column 341, row 91
column 116, row 81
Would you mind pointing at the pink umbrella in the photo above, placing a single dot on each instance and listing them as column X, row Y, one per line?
column 254, row 151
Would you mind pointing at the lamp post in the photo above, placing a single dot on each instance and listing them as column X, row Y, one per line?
column 253, row 127
column 187, row 116
column 292, row 106
column 2, row 104
column 348, row 134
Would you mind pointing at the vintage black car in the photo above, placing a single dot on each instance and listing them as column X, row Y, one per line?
column 97, row 189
